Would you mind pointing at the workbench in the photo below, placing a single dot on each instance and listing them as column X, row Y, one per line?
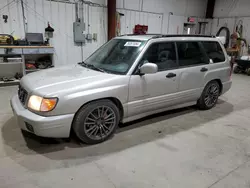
column 24, row 53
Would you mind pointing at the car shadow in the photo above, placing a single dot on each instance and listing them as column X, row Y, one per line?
column 71, row 152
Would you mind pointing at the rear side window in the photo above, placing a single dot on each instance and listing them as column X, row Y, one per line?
column 214, row 51
column 190, row 54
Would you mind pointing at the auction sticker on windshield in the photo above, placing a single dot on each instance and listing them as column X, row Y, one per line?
column 133, row 44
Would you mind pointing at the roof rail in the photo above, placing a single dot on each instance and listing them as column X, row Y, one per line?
column 163, row 36
column 170, row 35
column 141, row 34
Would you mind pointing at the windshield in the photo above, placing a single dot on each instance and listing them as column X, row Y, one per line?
column 116, row 56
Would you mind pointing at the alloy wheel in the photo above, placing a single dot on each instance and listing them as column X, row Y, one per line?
column 212, row 95
column 100, row 122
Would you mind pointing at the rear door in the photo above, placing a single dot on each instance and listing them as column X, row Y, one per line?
column 193, row 63
column 219, row 67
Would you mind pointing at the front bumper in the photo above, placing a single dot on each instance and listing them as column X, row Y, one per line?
column 53, row 126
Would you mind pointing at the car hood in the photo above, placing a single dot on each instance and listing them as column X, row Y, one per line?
column 53, row 80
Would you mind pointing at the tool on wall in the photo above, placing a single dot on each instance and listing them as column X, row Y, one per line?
column 49, row 33
column 6, row 39
column 5, row 18
column 140, row 29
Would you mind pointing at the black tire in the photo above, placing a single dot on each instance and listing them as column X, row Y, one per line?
column 91, row 112
column 237, row 70
column 208, row 97
column 248, row 71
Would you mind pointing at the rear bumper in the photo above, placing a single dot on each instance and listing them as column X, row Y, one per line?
column 226, row 86
column 53, row 126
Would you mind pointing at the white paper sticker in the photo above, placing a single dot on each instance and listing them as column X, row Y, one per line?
column 133, row 44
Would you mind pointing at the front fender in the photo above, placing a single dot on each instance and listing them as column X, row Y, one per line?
column 71, row 103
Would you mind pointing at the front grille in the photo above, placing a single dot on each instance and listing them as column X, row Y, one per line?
column 22, row 95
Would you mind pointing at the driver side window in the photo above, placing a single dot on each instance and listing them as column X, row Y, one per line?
column 162, row 54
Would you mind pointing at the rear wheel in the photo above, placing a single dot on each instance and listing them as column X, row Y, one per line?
column 237, row 70
column 96, row 122
column 248, row 71
column 209, row 96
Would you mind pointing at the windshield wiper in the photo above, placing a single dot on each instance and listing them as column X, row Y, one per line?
column 95, row 68
column 83, row 64
column 90, row 66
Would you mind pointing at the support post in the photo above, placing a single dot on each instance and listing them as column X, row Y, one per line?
column 210, row 8
column 111, row 19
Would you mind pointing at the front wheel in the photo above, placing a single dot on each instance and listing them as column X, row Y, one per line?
column 209, row 96
column 96, row 121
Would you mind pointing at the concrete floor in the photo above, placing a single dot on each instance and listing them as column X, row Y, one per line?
column 181, row 148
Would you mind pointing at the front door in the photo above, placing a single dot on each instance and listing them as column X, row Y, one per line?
column 155, row 91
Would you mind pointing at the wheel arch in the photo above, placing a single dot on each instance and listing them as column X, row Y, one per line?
column 218, row 80
column 220, row 84
column 115, row 100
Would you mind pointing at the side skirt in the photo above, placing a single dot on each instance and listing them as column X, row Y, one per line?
column 132, row 118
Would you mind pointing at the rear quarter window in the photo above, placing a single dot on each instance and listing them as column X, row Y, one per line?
column 190, row 53
column 214, row 51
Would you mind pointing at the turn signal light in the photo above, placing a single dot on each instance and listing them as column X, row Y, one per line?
column 48, row 104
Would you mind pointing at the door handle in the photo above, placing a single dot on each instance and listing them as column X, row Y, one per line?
column 171, row 75
column 204, row 69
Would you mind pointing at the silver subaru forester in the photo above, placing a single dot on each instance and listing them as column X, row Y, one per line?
column 128, row 78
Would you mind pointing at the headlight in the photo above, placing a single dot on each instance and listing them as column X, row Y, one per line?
column 42, row 104
column 35, row 102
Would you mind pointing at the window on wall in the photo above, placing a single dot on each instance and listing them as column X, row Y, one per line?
column 214, row 51
column 190, row 54
column 162, row 54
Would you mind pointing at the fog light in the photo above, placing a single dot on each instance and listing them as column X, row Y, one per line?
column 29, row 127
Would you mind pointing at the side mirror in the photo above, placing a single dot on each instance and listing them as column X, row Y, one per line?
column 149, row 68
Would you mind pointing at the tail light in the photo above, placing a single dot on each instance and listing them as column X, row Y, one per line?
column 231, row 65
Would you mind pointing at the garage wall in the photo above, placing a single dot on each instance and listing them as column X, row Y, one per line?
column 229, row 13
column 232, row 8
column 132, row 17
column 181, row 10
column 61, row 17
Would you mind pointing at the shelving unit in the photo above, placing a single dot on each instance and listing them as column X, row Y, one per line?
column 25, row 53
column 31, row 70
column 11, row 83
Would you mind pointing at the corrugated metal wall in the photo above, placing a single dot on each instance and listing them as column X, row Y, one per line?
column 231, row 24
column 223, row 22
column 61, row 17
column 15, row 22
column 133, row 17
column 228, row 13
